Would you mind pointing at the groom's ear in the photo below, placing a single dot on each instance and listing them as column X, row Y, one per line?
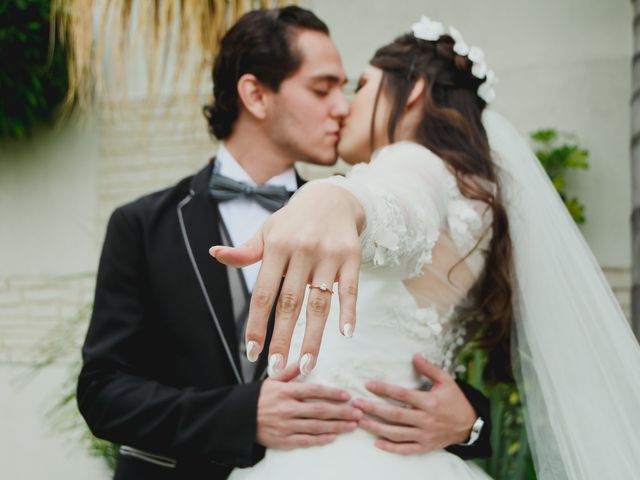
column 252, row 95
column 416, row 93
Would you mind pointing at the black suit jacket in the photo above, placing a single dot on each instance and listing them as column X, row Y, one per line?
column 161, row 371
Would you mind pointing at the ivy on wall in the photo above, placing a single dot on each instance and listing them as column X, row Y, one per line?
column 33, row 68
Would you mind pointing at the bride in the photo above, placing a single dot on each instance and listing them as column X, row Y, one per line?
column 452, row 232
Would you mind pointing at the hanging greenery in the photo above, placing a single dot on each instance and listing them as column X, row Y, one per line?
column 33, row 68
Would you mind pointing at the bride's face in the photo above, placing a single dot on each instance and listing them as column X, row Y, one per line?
column 355, row 137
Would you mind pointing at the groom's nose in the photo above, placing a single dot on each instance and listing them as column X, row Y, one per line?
column 340, row 108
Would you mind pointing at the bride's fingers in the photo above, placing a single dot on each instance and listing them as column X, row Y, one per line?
column 264, row 294
column 318, row 306
column 287, row 374
column 348, row 294
column 288, row 308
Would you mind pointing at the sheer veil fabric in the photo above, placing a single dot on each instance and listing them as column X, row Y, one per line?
column 576, row 359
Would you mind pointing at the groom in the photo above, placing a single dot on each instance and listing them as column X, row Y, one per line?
column 164, row 372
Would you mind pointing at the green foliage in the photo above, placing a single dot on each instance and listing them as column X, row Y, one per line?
column 63, row 415
column 33, row 73
column 558, row 155
column 511, row 459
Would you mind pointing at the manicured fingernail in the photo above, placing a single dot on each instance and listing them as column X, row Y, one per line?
column 305, row 364
column 347, row 330
column 253, row 350
column 212, row 252
column 276, row 362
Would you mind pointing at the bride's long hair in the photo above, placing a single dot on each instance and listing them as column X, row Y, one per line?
column 451, row 127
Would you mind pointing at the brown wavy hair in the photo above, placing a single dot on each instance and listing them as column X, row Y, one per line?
column 451, row 127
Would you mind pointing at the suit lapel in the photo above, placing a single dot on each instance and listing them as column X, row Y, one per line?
column 198, row 216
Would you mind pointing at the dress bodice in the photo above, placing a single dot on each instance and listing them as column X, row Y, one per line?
column 423, row 249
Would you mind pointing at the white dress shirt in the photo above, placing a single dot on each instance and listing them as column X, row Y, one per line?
column 243, row 216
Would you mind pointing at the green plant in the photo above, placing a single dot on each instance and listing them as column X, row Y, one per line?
column 33, row 68
column 558, row 154
column 63, row 415
column 511, row 458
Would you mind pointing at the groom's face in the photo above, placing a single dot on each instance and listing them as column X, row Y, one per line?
column 306, row 114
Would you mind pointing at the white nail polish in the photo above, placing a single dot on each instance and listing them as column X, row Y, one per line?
column 276, row 362
column 252, row 351
column 305, row 364
column 347, row 330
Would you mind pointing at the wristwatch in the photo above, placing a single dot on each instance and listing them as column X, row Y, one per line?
column 475, row 431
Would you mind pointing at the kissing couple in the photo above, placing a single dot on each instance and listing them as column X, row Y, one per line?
column 446, row 231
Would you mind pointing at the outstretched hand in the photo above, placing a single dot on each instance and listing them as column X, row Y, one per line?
column 314, row 240
column 432, row 420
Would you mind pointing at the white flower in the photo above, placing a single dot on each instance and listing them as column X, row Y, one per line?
column 459, row 46
column 486, row 92
column 479, row 67
column 476, row 54
column 479, row 70
column 425, row 29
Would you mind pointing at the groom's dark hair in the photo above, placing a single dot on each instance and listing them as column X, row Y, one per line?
column 262, row 43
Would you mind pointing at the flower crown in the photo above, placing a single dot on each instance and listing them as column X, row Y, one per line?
column 426, row 29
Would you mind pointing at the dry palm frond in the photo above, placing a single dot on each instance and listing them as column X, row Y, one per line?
column 105, row 37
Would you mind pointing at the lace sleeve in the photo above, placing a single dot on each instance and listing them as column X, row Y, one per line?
column 404, row 193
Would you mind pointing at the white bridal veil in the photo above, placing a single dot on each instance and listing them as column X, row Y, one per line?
column 576, row 359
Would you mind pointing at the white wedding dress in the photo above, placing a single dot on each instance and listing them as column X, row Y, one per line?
column 575, row 357
column 414, row 280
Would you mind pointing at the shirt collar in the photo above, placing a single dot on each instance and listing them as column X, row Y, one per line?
column 229, row 167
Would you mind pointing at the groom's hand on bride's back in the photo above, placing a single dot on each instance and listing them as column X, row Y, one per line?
column 431, row 420
column 294, row 415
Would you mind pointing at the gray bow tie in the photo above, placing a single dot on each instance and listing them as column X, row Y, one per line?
column 269, row 196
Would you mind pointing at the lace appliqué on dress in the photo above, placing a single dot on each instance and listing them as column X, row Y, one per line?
column 464, row 222
column 389, row 242
column 441, row 335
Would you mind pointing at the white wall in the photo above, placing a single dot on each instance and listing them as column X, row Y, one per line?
column 30, row 446
column 48, row 204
